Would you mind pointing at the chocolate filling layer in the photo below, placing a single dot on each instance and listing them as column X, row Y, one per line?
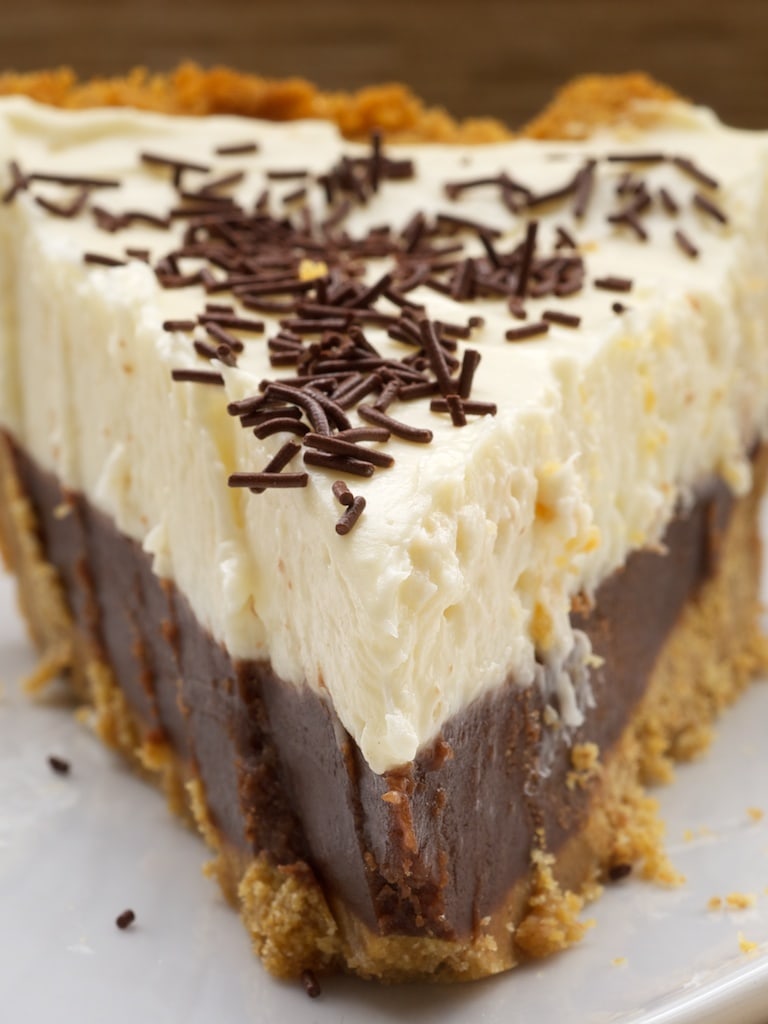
column 430, row 848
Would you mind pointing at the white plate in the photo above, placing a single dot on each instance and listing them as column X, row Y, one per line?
column 75, row 851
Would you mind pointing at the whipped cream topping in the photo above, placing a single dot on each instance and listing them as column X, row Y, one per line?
column 461, row 572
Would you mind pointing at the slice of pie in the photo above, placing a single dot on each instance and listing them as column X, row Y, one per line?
column 392, row 499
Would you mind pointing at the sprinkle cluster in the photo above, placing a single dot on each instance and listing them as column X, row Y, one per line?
column 311, row 272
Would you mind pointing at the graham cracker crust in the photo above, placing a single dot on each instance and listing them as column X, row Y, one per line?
column 709, row 657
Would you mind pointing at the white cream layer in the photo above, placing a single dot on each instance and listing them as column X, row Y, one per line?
column 464, row 564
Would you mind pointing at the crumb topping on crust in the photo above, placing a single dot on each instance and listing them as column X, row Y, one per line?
column 391, row 108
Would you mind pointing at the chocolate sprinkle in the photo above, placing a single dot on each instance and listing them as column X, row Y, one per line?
column 223, row 336
column 584, row 187
column 469, row 364
column 534, row 330
column 269, row 413
column 279, row 461
column 261, row 481
column 375, row 164
column 335, row 445
column 59, row 765
column 436, row 356
column 208, row 351
column 626, row 184
column 238, row 323
column 543, row 198
column 453, row 189
column 668, row 201
column 144, row 217
column 279, row 425
column 207, row 190
column 66, row 210
column 175, row 164
column 348, row 518
column 564, row 239
column 364, row 434
column 455, row 407
column 287, row 175
column 342, row 493
column 311, row 984
column 295, row 196
column 339, row 463
column 613, row 284
column 237, row 149
column 74, row 179
column 451, row 221
column 555, row 316
column 618, row 871
column 19, row 182
column 397, row 427
column 628, row 218
column 309, row 403
column 125, row 920
column 706, row 205
column 197, row 376
column 108, row 221
column 635, row 158
column 686, row 244
column 529, row 248
column 474, row 408
column 693, row 171
column 179, row 325
column 100, row 260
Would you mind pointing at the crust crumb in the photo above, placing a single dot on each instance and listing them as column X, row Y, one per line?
column 746, row 945
column 733, row 901
column 198, row 807
column 637, row 837
column 49, row 667
column 585, row 758
column 309, row 270
column 593, row 100
column 740, row 900
column 552, row 921
column 290, row 924
column 156, row 757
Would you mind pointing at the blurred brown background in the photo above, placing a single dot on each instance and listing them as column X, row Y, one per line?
column 472, row 56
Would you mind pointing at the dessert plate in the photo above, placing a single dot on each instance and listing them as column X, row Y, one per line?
column 78, row 849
